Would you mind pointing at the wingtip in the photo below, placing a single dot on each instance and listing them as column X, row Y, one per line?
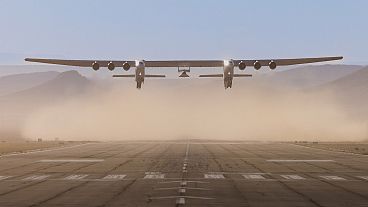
column 31, row 59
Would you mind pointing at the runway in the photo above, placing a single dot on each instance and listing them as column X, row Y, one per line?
column 184, row 173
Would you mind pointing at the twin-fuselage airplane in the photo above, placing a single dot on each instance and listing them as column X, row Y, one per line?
column 227, row 65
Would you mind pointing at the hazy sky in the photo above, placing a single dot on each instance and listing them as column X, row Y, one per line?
column 190, row 29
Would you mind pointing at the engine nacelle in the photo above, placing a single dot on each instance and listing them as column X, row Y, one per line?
column 95, row 66
column 272, row 65
column 111, row 66
column 257, row 65
column 126, row 66
column 242, row 65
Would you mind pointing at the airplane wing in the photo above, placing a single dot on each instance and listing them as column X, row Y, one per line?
column 80, row 63
column 285, row 62
column 119, row 63
column 182, row 63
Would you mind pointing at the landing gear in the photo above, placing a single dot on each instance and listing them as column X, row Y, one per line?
column 139, row 84
column 228, row 83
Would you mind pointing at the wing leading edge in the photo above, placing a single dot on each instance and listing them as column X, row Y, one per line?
column 183, row 63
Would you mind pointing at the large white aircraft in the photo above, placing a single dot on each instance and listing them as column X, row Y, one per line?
column 140, row 65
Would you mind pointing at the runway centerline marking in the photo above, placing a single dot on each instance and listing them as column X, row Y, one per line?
column 187, row 151
column 293, row 177
column 300, row 161
column 73, row 160
column 332, row 177
column 183, row 187
column 180, row 201
column 76, row 177
column 191, row 197
column 184, row 183
column 36, row 177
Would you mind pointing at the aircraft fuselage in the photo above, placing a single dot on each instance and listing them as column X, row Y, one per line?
column 228, row 73
column 140, row 73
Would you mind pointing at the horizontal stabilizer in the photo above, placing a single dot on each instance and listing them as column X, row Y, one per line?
column 212, row 76
column 221, row 75
column 155, row 76
column 242, row 75
column 132, row 76
column 123, row 76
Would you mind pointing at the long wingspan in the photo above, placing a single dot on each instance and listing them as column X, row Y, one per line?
column 182, row 63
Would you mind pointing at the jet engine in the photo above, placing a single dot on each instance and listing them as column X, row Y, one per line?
column 272, row 65
column 111, row 66
column 95, row 66
column 126, row 66
column 241, row 65
column 257, row 65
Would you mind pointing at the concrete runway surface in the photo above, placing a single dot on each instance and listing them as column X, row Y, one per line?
column 184, row 173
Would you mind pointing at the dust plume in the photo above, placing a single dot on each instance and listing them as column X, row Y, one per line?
column 164, row 110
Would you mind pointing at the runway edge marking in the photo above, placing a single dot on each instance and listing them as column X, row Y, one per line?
column 300, row 160
column 73, row 160
column 44, row 150
column 348, row 153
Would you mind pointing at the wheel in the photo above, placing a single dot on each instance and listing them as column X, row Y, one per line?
column 139, row 84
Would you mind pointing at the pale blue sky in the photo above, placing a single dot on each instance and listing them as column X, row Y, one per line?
column 190, row 29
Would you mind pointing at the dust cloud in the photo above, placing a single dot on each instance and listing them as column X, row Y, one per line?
column 197, row 110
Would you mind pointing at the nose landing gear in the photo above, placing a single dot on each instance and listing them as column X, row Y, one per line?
column 228, row 83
